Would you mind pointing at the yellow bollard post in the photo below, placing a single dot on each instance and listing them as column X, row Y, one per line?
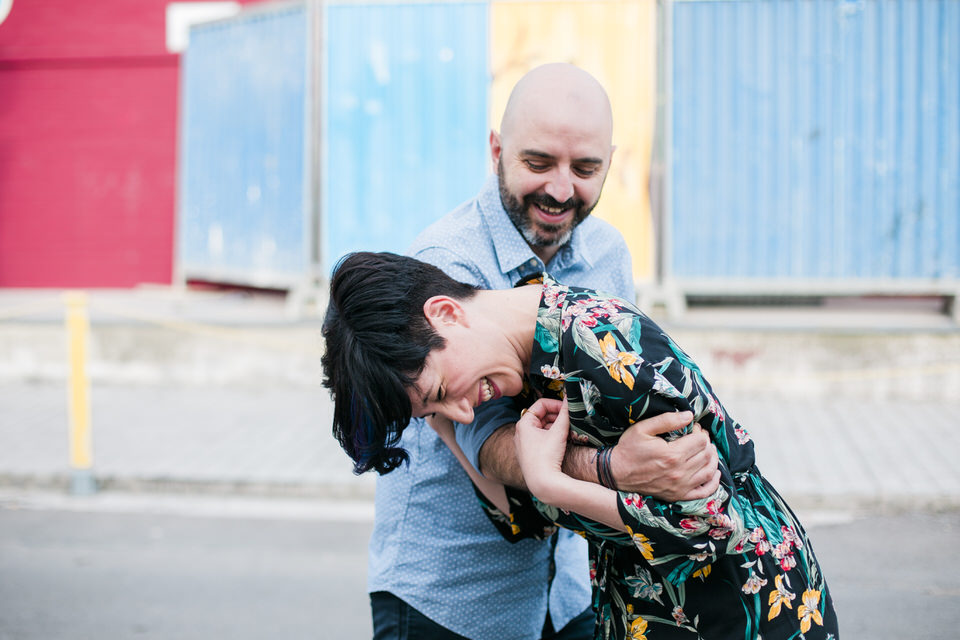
column 78, row 389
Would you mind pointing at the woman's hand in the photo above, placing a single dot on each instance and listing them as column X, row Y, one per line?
column 541, row 438
column 541, row 441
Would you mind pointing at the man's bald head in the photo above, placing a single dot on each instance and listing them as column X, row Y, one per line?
column 554, row 90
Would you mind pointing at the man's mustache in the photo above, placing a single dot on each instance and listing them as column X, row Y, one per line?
column 546, row 200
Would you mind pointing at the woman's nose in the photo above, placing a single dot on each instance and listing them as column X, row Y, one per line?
column 461, row 411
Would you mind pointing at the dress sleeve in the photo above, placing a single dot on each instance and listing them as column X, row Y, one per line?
column 622, row 379
column 524, row 520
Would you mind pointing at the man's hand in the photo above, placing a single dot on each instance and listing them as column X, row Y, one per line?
column 685, row 469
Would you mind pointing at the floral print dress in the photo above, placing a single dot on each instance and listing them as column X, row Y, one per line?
column 735, row 565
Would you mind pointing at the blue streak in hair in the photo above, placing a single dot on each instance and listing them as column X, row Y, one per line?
column 362, row 433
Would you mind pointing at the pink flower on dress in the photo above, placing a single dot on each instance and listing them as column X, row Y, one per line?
column 634, row 500
column 679, row 616
column 784, row 553
column 551, row 372
column 587, row 321
column 691, row 524
column 753, row 583
column 553, row 296
column 790, row 536
column 759, row 538
column 742, row 436
column 714, row 407
column 723, row 526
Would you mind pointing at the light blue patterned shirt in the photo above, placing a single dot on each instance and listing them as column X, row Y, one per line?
column 432, row 546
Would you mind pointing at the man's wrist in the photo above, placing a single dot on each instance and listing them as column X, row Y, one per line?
column 604, row 469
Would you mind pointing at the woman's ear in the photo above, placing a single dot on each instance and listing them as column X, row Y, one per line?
column 443, row 311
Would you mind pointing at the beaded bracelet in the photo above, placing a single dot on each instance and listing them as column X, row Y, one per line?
column 604, row 473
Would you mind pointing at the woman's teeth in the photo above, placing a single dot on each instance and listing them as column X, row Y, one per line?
column 486, row 390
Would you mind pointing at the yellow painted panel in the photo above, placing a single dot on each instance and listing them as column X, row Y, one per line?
column 615, row 40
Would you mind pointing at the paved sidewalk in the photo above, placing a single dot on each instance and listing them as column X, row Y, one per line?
column 225, row 439
column 219, row 392
column 832, row 453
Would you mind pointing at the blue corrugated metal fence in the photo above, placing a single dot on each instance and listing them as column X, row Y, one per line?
column 242, row 156
column 815, row 140
column 406, row 101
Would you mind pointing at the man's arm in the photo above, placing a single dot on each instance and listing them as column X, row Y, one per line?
column 641, row 462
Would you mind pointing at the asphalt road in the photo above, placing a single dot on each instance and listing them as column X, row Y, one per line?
column 140, row 572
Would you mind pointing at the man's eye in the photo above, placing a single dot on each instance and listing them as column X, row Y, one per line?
column 537, row 166
column 585, row 172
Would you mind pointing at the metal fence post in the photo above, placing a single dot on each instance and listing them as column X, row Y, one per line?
column 78, row 389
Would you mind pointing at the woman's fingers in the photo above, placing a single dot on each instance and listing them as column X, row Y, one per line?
column 541, row 439
column 545, row 410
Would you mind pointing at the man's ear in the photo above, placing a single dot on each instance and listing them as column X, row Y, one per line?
column 443, row 311
column 495, row 149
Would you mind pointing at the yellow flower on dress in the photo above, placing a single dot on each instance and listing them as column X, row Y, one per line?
column 617, row 360
column 779, row 596
column 638, row 629
column 702, row 572
column 808, row 610
column 642, row 543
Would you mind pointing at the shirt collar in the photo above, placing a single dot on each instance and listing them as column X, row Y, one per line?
column 512, row 251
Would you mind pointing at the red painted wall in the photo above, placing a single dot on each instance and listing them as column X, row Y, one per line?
column 88, row 103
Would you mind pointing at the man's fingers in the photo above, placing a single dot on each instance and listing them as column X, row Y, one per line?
column 665, row 422
column 693, row 444
column 706, row 489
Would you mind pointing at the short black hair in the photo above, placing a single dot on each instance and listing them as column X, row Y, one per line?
column 377, row 339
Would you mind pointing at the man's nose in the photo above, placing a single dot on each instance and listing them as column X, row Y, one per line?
column 560, row 186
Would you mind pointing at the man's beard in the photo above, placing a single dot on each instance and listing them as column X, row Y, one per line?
column 541, row 234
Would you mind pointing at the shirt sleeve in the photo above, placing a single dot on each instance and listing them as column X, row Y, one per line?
column 487, row 418
column 627, row 381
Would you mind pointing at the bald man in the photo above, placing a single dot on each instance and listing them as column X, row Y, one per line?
column 438, row 569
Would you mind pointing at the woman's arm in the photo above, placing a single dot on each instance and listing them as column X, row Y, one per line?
column 642, row 461
column 541, row 442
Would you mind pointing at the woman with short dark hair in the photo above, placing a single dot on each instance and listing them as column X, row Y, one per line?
column 403, row 340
